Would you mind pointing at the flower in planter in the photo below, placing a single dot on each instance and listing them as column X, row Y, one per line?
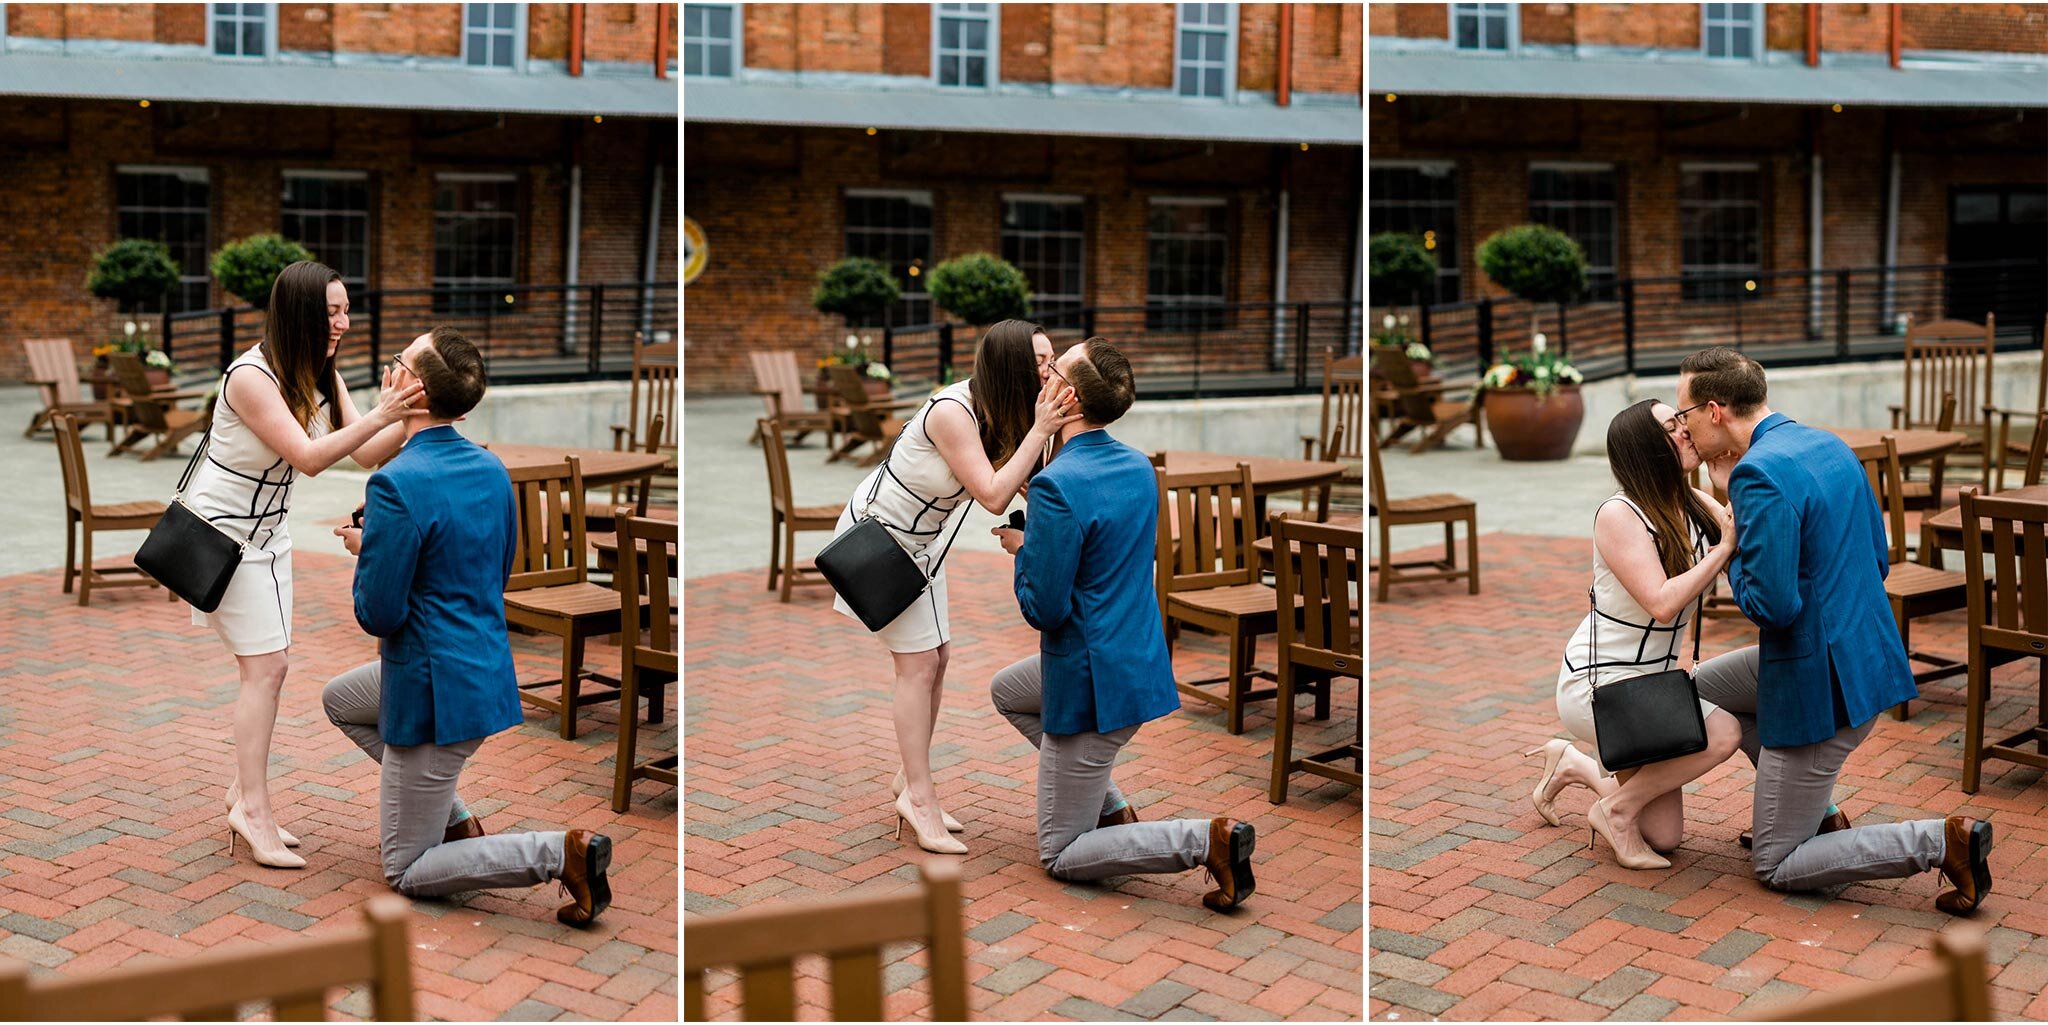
column 879, row 372
column 158, row 358
column 1541, row 371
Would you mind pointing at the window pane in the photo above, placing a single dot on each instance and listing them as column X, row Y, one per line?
column 1496, row 33
column 479, row 15
column 693, row 59
column 1212, row 82
column 224, row 39
column 977, row 35
column 693, row 20
column 1212, row 47
column 719, row 22
column 1717, row 12
column 1188, row 80
column 2027, row 207
column 721, row 60
column 1468, row 33
column 501, row 52
column 949, row 70
column 1976, row 208
column 252, row 39
column 504, row 14
column 479, row 48
column 977, row 71
column 949, row 33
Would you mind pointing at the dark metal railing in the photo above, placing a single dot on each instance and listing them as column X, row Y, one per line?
column 1778, row 317
column 1187, row 351
column 525, row 332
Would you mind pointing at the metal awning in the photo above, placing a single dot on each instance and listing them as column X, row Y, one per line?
column 931, row 109
column 327, row 85
column 1701, row 80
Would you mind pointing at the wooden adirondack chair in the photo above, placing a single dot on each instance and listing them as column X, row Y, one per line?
column 780, row 383
column 151, row 411
column 1424, row 407
column 864, row 420
column 53, row 369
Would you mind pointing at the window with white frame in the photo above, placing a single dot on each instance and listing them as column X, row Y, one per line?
column 711, row 39
column 1731, row 30
column 328, row 212
column 476, row 239
column 493, row 36
column 1202, row 50
column 1720, row 215
column 1044, row 237
column 965, row 55
column 1579, row 200
column 1484, row 28
column 1187, row 255
column 894, row 227
column 241, row 30
column 1420, row 199
column 169, row 205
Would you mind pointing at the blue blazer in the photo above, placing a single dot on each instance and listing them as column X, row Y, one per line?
column 1085, row 580
column 1809, row 571
column 439, row 526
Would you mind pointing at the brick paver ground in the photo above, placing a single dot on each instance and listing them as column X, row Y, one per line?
column 787, row 773
column 1481, row 911
column 113, row 844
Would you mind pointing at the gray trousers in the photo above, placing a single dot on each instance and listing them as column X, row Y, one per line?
column 1074, row 791
column 1795, row 785
column 419, row 804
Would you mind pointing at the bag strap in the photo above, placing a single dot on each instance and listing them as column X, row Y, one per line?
column 1699, row 608
column 943, row 552
column 193, row 463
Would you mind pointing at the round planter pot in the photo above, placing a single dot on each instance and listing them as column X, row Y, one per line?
column 1527, row 429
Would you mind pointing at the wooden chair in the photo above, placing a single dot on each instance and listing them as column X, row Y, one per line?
column 652, row 396
column 1317, row 565
column 1946, row 358
column 1208, row 577
column 1954, row 988
column 53, row 369
column 601, row 532
column 1446, row 509
column 550, row 591
column 81, row 516
column 763, row 942
column 2014, row 441
column 294, row 975
column 645, row 668
column 1424, row 408
column 863, row 420
column 1341, row 428
column 2008, row 620
column 786, row 518
column 148, row 410
column 780, row 383
column 1915, row 591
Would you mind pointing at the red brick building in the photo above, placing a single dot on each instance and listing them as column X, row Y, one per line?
column 1121, row 155
column 1698, row 139
column 407, row 145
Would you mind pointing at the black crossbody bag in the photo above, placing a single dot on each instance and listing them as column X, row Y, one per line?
column 865, row 565
column 189, row 555
column 1650, row 718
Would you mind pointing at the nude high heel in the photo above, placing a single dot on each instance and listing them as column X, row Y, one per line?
column 1553, row 752
column 1643, row 858
column 940, row 844
column 896, row 788
column 235, row 797
column 279, row 858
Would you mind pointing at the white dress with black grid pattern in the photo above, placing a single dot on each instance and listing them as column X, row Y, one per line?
column 1632, row 643
column 915, row 495
column 246, row 489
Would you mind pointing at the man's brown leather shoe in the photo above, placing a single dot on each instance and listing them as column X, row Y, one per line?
column 1229, row 863
column 468, row 829
column 1966, row 863
column 585, row 856
column 1123, row 816
column 1832, row 824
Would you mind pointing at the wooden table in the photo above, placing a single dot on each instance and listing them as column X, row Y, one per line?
column 1914, row 446
column 602, row 467
column 1269, row 474
column 1945, row 530
column 1264, row 545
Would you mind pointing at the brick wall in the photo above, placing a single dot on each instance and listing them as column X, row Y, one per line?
column 1027, row 43
column 184, row 23
column 1329, row 48
column 619, row 32
column 432, row 30
column 307, row 27
column 2008, row 28
column 1861, row 28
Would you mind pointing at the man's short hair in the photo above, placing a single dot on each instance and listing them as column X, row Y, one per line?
column 1102, row 382
column 1726, row 376
column 452, row 371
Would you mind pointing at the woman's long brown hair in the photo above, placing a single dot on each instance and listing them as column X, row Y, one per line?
column 295, row 340
column 1005, row 387
column 1644, row 461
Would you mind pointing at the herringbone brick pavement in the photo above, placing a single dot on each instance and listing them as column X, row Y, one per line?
column 1481, row 911
column 790, row 753
column 113, row 845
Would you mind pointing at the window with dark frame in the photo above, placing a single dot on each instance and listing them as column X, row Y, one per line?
column 1044, row 237
column 1720, row 215
column 328, row 212
column 1187, row 255
column 1581, row 202
column 709, row 40
column 169, row 205
column 964, row 56
column 490, row 35
column 1202, row 50
column 476, row 240
column 894, row 227
column 1420, row 200
column 1729, row 30
column 240, row 30
column 1484, row 28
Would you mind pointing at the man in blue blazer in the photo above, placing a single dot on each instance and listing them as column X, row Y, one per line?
column 435, row 548
column 1085, row 580
column 1809, row 571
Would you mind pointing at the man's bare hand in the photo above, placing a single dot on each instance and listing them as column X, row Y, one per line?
column 1718, row 469
column 351, row 538
column 1011, row 538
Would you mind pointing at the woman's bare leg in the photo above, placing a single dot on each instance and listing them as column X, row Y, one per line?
column 920, row 683
column 255, row 722
column 1660, row 784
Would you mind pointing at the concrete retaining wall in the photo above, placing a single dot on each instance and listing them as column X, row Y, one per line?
column 575, row 415
column 1249, row 426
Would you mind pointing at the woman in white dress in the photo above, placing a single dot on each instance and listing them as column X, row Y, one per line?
column 976, row 442
column 283, row 411
column 1645, row 590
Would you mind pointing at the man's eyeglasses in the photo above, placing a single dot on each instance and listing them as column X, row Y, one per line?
column 399, row 362
column 1679, row 417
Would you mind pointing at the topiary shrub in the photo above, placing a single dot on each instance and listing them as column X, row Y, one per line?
column 247, row 267
column 1537, row 263
column 857, row 288
column 1399, row 267
column 134, row 272
column 980, row 289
